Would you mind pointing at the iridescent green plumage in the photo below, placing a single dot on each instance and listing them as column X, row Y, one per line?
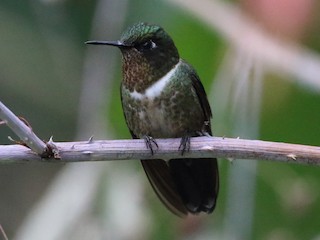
column 162, row 97
column 139, row 32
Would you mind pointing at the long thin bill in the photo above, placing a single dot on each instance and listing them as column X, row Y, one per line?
column 109, row 43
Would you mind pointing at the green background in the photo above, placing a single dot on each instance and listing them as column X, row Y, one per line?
column 42, row 55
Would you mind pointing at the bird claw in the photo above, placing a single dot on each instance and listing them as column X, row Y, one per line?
column 149, row 142
column 184, row 144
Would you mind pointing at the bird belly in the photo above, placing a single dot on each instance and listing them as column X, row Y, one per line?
column 174, row 112
column 156, row 120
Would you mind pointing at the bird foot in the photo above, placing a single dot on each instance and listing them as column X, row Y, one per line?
column 150, row 143
column 184, row 144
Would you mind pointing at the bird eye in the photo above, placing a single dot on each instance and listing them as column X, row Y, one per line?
column 148, row 45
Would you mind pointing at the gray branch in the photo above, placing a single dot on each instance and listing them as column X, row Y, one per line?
column 201, row 147
column 24, row 132
column 107, row 150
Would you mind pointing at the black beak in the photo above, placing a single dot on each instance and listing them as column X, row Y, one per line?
column 109, row 43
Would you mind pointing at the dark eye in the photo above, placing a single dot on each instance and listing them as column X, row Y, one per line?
column 147, row 45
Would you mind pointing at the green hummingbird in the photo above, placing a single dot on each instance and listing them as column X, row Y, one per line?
column 162, row 97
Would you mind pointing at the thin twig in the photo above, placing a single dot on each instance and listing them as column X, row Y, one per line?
column 201, row 147
column 5, row 237
column 23, row 131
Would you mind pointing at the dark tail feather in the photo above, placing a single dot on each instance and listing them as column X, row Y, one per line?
column 160, row 178
column 185, row 185
column 197, row 181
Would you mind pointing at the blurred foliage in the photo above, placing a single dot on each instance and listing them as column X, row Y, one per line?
column 41, row 65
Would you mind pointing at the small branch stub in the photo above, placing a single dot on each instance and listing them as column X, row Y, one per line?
column 51, row 151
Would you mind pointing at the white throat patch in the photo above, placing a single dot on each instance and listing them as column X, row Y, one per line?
column 155, row 89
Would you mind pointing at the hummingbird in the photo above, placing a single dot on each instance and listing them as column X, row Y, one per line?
column 163, row 97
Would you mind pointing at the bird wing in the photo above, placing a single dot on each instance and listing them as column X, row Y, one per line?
column 197, row 180
column 202, row 96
